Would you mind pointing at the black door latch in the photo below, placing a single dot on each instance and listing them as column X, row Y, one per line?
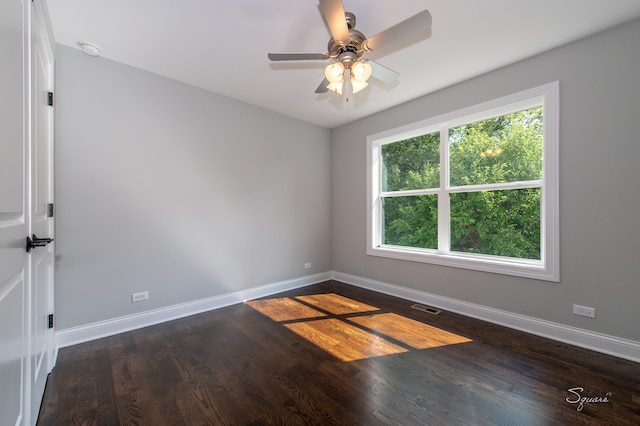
column 37, row 242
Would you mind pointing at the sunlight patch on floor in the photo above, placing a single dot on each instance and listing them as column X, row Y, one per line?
column 336, row 304
column 410, row 332
column 351, row 330
column 344, row 341
column 284, row 309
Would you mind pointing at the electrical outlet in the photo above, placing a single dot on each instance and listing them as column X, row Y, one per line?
column 307, row 265
column 139, row 297
column 584, row 311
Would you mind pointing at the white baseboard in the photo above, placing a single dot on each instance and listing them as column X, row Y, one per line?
column 97, row 330
column 610, row 345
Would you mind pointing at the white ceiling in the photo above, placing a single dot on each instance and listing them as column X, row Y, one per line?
column 222, row 46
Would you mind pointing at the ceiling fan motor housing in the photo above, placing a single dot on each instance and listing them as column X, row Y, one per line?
column 349, row 51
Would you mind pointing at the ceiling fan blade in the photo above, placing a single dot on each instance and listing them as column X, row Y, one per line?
column 333, row 12
column 399, row 32
column 322, row 88
column 296, row 56
column 383, row 73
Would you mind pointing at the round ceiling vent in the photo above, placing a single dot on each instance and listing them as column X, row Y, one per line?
column 89, row 48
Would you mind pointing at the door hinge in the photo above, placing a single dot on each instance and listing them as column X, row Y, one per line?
column 50, row 98
column 50, row 210
column 50, row 320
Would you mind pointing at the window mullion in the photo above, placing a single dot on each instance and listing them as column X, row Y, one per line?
column 409, row 192
column 444, row 228
column 497, row 186
column 377, row 214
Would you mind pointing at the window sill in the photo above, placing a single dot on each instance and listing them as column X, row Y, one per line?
column 533, row 269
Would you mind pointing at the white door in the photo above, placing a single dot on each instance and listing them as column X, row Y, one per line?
column 41, row 223
column 14, row 218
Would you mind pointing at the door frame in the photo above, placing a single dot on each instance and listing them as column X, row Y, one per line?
column 41, row 351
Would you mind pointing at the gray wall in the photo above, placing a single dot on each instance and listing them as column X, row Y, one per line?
column 166, row 188
column 186, row 194
column 599, row 185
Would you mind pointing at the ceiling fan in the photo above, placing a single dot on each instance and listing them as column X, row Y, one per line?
column 349, row 71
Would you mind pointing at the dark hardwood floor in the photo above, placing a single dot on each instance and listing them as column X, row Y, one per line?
column 336, row 354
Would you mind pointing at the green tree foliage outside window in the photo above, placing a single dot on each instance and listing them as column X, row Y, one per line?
column 411, row 164
column 411, row 221
column 491, row 221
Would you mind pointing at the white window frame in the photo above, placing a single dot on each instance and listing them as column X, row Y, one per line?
column 548, row 267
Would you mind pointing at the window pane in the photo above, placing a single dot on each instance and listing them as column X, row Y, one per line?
column 411, row 164
column 502, row 149
column 410, row 221
column 499, row 223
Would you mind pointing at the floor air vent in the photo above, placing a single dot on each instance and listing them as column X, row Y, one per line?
column 425, row 308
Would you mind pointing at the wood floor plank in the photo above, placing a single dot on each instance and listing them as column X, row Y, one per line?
column 337, row 304
column 343, row 340
column 85, row 388
column 284, row 309
column 301, row 363
column 276, row 361
column 411, row 332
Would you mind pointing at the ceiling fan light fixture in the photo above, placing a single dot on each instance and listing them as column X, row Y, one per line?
column 357, row 85
column 348, row 74
column 335, row 88
column 334, row 73
column 361, row 71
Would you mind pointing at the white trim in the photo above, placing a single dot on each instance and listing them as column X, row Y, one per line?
column 97, row 330
column 548, row 267
column 610, row 345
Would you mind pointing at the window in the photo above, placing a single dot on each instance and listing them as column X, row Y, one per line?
column 475, row 189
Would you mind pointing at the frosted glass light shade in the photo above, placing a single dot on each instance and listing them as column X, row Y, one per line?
column 358, row 86
column 334, row 72
column 335, row 87
column 360, row 72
